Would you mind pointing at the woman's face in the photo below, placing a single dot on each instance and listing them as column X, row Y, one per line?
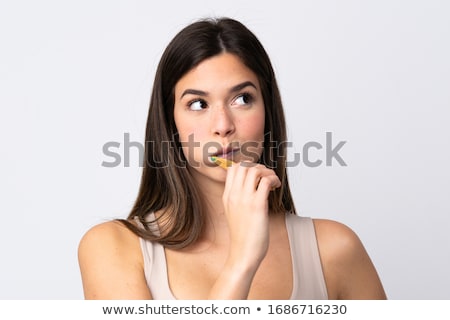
column 219, row 111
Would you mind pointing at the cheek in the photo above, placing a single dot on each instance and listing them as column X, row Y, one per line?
column 252, row 134
column 191, row 135
column 184, row 127
column 191, row 131
column 254, row 127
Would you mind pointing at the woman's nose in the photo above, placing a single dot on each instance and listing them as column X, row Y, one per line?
column 222, row 123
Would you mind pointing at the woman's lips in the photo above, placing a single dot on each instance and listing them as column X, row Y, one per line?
column 226, row 153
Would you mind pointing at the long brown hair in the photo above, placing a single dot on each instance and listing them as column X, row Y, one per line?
column 166, row 184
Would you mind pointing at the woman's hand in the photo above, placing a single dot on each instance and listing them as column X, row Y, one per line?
column 246, row 205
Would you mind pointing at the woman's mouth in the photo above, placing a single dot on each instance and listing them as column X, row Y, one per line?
column 227, row 153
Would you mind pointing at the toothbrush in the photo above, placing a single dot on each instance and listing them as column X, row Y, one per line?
column 222, row 162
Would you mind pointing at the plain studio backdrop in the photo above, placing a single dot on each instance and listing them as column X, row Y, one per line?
column 77, row 75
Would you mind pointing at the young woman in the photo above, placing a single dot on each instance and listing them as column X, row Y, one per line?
column 200, row 231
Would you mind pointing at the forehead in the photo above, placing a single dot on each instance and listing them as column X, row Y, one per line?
column 221, row 71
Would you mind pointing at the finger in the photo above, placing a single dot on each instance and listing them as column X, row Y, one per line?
column 267, row 184
column 241, row 175
column 229, row 181
column 255, row 175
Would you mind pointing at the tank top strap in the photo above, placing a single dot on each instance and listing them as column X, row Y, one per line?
column 155, row 265
column 309, row 281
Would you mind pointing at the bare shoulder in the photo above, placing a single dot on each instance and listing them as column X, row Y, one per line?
column 111, row 263
column 111, row 233
column 348, row 269
column 336, row 238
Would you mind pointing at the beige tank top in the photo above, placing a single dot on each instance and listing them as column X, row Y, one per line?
column 309, row 282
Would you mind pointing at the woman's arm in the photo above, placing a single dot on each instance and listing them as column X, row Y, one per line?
column 246, row 208
column 349, row 272
column 111, row 263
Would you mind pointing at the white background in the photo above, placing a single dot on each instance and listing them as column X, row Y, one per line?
column 75, row 75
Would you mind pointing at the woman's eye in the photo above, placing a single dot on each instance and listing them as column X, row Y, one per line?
column 197, row 105
column 243, row 99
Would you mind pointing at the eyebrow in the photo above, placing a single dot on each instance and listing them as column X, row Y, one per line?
column 233, row 89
